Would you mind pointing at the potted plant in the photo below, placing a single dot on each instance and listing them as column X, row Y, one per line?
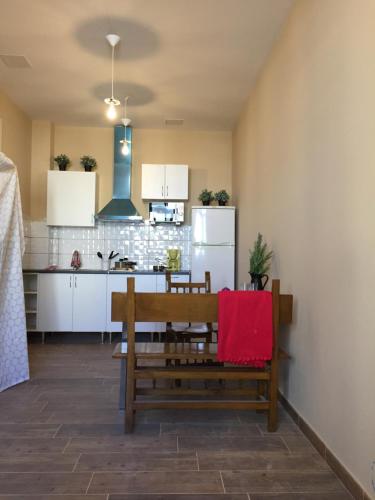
column 62, row 161
column 206, row 197
column 260, row 261
column 88, row 163
column 222, row 197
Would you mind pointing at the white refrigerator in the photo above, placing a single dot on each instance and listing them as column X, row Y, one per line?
column 213, row 245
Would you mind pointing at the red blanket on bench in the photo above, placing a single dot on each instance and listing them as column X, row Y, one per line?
column 245, row 327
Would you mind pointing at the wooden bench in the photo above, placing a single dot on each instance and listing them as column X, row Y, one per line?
column 131, row 307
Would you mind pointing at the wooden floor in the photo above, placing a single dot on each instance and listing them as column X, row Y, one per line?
column 61, row 437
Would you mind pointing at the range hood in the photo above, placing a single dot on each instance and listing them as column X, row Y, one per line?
column 120, row 208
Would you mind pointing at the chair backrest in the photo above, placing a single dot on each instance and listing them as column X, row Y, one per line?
column 187, row 286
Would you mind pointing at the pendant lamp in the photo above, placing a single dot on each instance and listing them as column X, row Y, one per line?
column 125, row 149
column 112, row 102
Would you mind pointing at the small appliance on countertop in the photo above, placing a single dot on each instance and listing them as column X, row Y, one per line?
column 166, row 212
column 125, row 265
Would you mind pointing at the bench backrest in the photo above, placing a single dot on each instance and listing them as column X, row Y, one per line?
column 200, row 308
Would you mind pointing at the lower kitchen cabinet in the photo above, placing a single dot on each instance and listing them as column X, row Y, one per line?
column 118, row 283
column 71, row 302
column 75, row 302
column 89, row 302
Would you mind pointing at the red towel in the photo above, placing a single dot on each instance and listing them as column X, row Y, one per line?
column 245, row 327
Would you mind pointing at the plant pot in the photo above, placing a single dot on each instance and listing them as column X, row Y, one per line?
column 206, row 203
column 256, row 281
column 62, row 167
column 222, row 203
column 88, row 169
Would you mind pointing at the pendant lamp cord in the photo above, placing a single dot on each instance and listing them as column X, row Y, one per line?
column 113, row 55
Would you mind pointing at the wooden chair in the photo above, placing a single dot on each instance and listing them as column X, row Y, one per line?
column 190, row 332
column 131, row 307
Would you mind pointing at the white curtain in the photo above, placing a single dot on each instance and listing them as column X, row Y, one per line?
column 14, row 363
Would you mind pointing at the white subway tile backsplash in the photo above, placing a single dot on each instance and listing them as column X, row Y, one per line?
column 27, row 241
column 38, row 245
column 39, row 229
column 139, row 242
column 35, row 261
column 84, row 247
column 26, row 228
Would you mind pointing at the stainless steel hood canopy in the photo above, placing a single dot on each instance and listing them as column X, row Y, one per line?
column 120, row 208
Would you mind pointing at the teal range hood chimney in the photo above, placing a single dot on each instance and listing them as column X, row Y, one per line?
column 120, row 208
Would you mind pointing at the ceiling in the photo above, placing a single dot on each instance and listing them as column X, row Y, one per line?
column 190, row 59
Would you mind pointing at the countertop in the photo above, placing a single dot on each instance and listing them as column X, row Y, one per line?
column 98, row 271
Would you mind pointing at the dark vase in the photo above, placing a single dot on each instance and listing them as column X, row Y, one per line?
column 87, row 169
column 62, row 167
column 256, row 281
column 222, row 203
column 206, row 202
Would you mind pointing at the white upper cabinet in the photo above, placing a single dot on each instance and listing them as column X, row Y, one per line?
column 71, row 198
column 176, row 182
column 165, row 182
column 153, row 180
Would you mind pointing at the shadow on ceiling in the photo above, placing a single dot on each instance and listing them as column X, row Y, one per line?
column 139, row 95
column 137, row 40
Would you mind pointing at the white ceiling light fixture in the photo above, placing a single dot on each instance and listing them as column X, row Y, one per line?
column 125, row 150
column 113, row 40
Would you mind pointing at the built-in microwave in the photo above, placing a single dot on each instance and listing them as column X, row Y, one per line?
column 170, row 212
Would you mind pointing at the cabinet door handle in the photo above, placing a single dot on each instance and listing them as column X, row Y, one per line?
column 75, row 281
column 70, row 282
column 167, row 190
column 162, row 191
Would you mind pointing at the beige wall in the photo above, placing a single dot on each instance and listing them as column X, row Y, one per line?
column 304, row 176
column 41, row 160
column 16, row 144
column 208, row 154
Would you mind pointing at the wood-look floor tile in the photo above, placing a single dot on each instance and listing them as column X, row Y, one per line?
column 97, row 430
column 284, row 428
column 298, row 444
column 156, row 482
column 217, row 496
column 237, row 460
column 301, row 496
column 190, row 416
column 53, row 497
column 211, row 429
column 136, row 461
column 28, row 430
column 46, row 483
column 244, row 443
column 42, row 462
column 86, row 416
column 281, row 482
column 19, row 446
column 83, row 404
column 19, row 415
column 123, row 444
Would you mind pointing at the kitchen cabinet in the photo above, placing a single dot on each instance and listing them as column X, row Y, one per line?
column 55, row 303
column 30, row 288
column 71, row 302
column 71, row 198
column 118, row 283
column 165, row 182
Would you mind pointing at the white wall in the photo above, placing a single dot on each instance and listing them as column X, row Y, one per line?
column 304, row 176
